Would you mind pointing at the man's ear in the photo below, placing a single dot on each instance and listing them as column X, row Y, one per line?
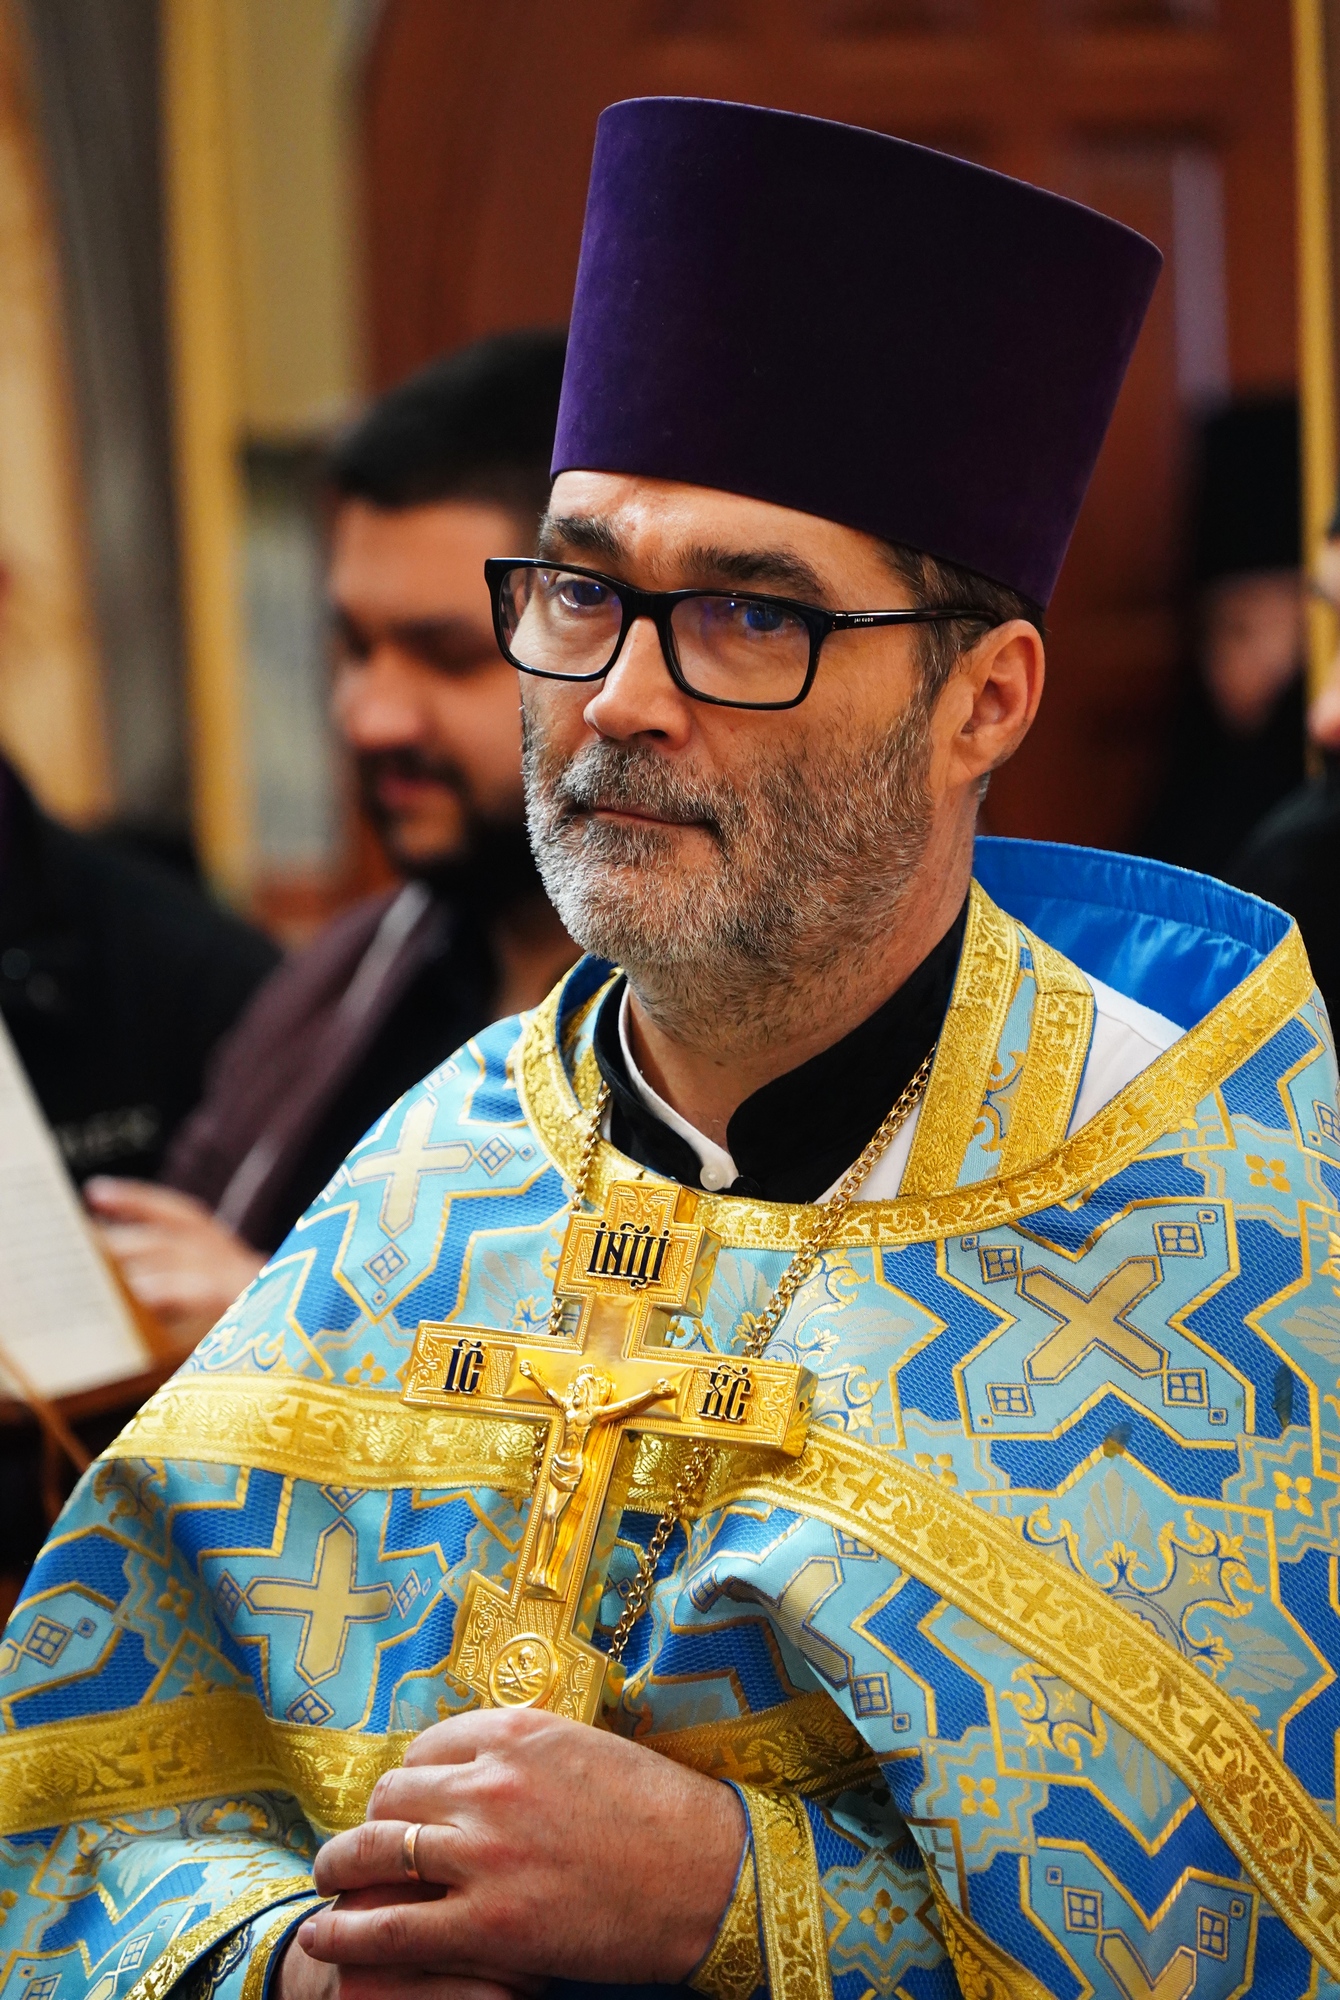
column 991, row 699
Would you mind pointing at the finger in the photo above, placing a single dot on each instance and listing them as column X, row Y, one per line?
column 108, row 1194
column 462, row 1738
column 373, row 1855
column 445, row 1982
column 429, row 1792
column 141, row 1201
column 389, row 1982
column 401, row 1931
column 130, row 1239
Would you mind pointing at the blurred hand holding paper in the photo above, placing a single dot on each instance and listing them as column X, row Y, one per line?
column 61, row 1317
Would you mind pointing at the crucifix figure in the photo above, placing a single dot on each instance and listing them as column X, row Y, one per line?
column 631, row 1270
column 586, row 1404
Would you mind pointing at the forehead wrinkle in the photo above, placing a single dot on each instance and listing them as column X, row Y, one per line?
column 704, row 564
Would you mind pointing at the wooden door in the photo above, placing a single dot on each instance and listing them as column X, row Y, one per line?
column 1174, row 115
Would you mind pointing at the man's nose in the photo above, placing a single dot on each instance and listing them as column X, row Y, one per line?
column 377, row 704
column 637, row 696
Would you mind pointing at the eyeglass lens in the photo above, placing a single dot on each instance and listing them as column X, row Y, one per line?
column 737, row 649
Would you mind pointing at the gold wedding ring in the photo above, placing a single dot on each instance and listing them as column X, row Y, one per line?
column 408, row 1847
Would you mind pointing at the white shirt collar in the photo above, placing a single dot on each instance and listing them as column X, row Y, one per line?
column 716, row 1168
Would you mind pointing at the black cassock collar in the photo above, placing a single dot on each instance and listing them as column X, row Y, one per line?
column 793, row 1138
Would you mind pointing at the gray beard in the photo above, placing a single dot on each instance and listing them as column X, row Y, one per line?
column 812, row 856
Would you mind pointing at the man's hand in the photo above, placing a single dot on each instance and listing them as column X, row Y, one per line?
column 564, row 1852
column 299, row 1977
column 175, row 1258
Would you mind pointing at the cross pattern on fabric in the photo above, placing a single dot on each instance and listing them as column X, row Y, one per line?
column 404, row 1165
column 1093, row 1319
column 328, row 1601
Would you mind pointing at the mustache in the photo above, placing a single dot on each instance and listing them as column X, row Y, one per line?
column 374, row 765
column 615, row 778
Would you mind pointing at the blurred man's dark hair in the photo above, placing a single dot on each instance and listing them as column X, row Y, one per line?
column 477, row 425
column 391, row 987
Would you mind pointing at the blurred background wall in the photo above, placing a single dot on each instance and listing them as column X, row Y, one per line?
column 226, row 220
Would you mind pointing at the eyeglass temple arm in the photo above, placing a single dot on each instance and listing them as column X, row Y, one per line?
column 848, row 621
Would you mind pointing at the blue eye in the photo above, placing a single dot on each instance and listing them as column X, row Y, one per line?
column 582, row 593
column 763, row 619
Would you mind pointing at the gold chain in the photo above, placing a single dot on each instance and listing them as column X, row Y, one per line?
column 698, row 1463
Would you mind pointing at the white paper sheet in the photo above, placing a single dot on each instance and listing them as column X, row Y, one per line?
column 61, row 1316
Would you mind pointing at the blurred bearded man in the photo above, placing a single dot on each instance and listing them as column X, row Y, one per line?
column 437, row 474
column 804, row 1466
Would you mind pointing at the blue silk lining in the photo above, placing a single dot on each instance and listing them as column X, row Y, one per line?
column 1174, row 941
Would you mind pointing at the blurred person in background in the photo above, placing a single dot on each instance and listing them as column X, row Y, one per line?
column 448, row 468
column 117, row 982
column 1237, row 748
column 1293, row 857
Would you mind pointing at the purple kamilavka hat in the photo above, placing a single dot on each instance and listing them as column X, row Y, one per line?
column 848, row 325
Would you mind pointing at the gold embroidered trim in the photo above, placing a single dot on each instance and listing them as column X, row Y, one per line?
column 182, row 1953
column 169, row 1752
column 1158, row 1101
column 326, row 1432
column 165, row 1753
column 974, row 1023
column 357, row 1437
column 790, row 1898
column 1063, row 1621
column 807, row 1745
column 258, row 1965
column 321, row 1432
column 733, row 1968
column 1058, row 1048
column 983, row 1970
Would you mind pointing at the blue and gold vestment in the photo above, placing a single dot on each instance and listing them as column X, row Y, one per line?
column 1005, row 1664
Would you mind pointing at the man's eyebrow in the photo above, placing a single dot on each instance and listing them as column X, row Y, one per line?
column 586, row 534
column 780, row 569
column 455, row 627
column 704, row 563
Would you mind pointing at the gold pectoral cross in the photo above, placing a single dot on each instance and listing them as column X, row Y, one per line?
column 632, row 1269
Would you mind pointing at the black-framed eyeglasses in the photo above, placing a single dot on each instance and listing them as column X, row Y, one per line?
column 730, row 647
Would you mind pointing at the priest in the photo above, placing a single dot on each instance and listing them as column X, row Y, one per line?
column 807, row 1465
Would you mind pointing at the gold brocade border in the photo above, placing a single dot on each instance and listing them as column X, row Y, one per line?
column 362, row 1437
column 164, row 1753
column 806, row 1745
column 982, row 1969
column 326, row 1432
column 733, row 1968
column 1058, row 1048
column 258, row 1965
column 790, row 1897
column 984, row 986
column 1159, row 1100
column 1063, row 1621
column 158, row 1982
